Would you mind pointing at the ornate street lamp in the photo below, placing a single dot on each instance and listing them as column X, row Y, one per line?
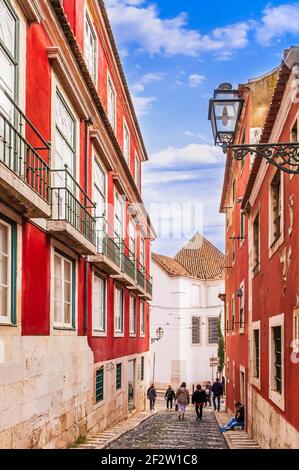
column 159, row 335
column 224, row 112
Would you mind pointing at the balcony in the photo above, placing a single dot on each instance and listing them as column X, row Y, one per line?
column 72, row 220
column 128, row 268
column 108, row 257
column 24, row 173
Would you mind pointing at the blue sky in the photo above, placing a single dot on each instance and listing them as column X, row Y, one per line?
column 174, row 54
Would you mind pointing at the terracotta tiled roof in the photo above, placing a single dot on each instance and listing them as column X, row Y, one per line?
column 170, row 265
column 199, row 258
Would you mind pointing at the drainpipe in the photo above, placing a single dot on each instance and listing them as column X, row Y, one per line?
column 88, row 122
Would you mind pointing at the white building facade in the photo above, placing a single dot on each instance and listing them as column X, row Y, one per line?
column 187, row 306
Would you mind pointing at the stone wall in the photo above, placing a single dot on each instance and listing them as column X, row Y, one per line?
column 268, row 427
column 47, row 391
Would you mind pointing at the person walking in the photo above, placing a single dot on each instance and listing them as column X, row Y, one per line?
column 169, row 397
column 152, row 395
column 208, row 394
column 217, row 390
column 198, row 399
column 183, row 399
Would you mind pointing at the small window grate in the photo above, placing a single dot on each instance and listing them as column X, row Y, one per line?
column 100, row 385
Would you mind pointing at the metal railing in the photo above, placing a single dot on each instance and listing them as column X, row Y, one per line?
column 107, row 241
column 71, row 203
column 128, row 262
column 22, row 148
column 140, row 275
column 148, row 284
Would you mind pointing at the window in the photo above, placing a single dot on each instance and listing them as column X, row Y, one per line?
column 137, row 171
column 7, row 271
column 195, row 295
column 242, row 226
column 99, row 189
column 213, row 330
column 275, row 207
column 132, row 237
column 296, row 331
column 195, row 330
column 276, row 339
column 256, row 353
column 64, row 291
column 256, row 241
column 90, row 48
column 118, row 216
column 111, row 104
column 126, row 143
column 142, row 368
column 118, row 310
column 8, row 55
column 142, row 319
column 99, row 304
column 100, row 385
column 142, row 251
column 65, row 138
column 241, row 295
column 132, row 315
column 118, row 376
column 233, row 314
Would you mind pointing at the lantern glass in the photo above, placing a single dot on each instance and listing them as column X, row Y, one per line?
column 225, row 109
column 159, row 332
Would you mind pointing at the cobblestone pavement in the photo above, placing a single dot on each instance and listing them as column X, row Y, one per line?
column 165, row 431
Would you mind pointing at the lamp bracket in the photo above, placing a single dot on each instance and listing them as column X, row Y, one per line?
column 284, row 156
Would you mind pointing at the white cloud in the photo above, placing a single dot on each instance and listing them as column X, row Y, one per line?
column 195, row 80
column 176, row 158
column 197, row 136
column 147, row 78
column 136, row 24
column 143, row 104
column 278, row 21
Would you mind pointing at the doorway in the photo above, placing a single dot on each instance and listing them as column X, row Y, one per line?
column 131, row 385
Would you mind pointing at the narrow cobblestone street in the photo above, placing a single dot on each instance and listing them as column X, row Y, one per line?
column 165, row 431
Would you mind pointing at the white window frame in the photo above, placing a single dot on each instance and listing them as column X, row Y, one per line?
column 7, row 319
column 118, row 312
column 110, row 83
column 198, row 324
column 63, row 324
column 97, row 329
column 119, row 202
column 256, row 381
column 211, row 317
column 242, row 304
column 274, row 244
column 274, row 396
column 126, row 148
column 142, row 318
column 137, row 171
column 94, row 71
column 295, row 343
column 133, row 316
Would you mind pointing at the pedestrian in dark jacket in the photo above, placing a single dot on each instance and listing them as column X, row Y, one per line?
column 217, row 390
column 152, row 395
column 169, row 397
column 198, row 399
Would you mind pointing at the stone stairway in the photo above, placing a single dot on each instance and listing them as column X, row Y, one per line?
column 237, row 439
column 103, row 439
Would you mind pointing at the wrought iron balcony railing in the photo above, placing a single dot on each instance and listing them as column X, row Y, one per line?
column 128, row 266
column 22, row 148
column 107, row 241
column 70, row 203
column 140, row 275
column 149, row 284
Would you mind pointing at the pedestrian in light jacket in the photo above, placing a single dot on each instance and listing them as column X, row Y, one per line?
column 183, row 399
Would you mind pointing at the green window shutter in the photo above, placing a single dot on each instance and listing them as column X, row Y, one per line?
column 118, row 376
column 100, row 385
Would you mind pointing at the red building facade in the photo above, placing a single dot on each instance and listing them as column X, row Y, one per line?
column 267, row 198
column 75, row 237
